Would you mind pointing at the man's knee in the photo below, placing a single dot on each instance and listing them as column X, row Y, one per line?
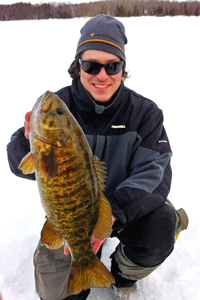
column 150, row 239
column 144, row 245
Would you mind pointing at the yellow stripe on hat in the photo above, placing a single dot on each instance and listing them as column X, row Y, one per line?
column 103, row 41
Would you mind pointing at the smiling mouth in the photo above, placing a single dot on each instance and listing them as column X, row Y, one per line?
column 101, row 86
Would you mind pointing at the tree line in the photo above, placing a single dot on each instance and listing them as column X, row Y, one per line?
column 116, row 8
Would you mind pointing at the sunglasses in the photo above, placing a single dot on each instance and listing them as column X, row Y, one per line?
column 93, row 68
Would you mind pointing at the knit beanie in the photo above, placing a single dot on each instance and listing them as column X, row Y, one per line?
column 104, row 33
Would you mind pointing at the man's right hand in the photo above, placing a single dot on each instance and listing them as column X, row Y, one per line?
column 27, row 124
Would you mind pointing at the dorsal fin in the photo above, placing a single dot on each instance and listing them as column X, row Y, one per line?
column 47, row 101
column 103, row 227
column 100, row 170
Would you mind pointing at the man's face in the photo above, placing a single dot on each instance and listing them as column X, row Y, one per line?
column 101, row 86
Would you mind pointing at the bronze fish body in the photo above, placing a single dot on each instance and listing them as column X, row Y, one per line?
column 71, row 183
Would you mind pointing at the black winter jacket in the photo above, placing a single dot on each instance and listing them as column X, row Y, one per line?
column 128, row 135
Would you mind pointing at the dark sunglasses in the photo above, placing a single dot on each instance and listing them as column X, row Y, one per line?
column 93, row 68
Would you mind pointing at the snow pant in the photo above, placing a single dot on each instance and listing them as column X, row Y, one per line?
column 144, row 245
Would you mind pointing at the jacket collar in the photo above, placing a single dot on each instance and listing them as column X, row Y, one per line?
column 86, row 104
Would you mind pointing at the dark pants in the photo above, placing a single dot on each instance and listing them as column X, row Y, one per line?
column 147, row 241
column 150, row 239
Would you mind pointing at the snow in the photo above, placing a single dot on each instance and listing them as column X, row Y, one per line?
column 163, row 60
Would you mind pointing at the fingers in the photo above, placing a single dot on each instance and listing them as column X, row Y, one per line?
column 97, row 244
column 27, row 124
column 66, row 250
column 28, row 116
column 113, row 219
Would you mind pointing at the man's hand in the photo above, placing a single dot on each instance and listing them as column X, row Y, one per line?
column 113, row 219
column 95, row 242
column 66, row 250
column 27, row 124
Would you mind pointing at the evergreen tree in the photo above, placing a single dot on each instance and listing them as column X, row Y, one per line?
column 136, row 12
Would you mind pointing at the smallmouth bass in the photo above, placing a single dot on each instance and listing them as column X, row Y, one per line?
column 71, row 183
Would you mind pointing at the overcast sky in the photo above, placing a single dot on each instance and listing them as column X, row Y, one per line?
column 40, row 1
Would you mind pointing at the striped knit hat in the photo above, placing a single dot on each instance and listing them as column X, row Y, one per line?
column 104, row 33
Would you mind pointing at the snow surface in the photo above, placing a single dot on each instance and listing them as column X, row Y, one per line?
column 163, row 60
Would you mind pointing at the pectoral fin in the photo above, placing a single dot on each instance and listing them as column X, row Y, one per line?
column 103, row 227
column 49, row 237
column 27, row 164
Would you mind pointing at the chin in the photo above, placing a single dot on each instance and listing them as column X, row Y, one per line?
column 101, row 98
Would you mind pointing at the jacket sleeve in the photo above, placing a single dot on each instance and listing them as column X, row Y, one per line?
column 149, row 180
column 18, row 147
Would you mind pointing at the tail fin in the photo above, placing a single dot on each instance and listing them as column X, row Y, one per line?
column 94, row 274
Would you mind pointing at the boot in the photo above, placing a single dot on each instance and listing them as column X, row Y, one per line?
column 123, row 288
column 124, row 292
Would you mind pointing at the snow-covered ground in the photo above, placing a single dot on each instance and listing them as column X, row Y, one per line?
column 163, row 60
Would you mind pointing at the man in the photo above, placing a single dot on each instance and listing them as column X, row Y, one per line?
column 125, row 130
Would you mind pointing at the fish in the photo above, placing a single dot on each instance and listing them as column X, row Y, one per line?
column 71, row 181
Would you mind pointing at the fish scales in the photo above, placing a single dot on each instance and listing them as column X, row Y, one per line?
column 71, row 190
column 77, row 210
column 70, row 182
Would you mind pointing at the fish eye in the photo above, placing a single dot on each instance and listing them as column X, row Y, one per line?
column 59, row 111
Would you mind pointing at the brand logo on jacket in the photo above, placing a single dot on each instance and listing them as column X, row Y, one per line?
column 118, row 126
column 162, row 141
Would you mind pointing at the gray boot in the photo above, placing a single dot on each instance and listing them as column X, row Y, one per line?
column 124, row 293
column 131, row 293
